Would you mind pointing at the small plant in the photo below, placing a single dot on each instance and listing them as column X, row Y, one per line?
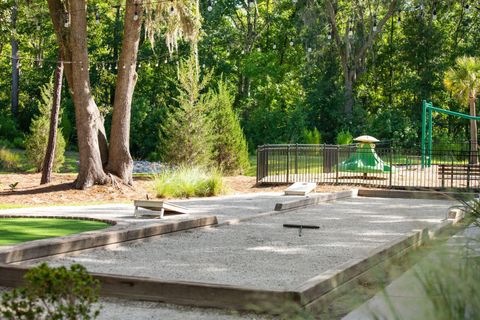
column 312, row 136
column 53, row 293
column 344, row 137
column 187, row 182
column 9, row 160
column 13, row 186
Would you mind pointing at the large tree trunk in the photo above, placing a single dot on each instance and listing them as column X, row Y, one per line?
column 15, row 63
column 52, row 136
column 72, row 41
column 120, row 161
column 348, row 94
column 473, row 133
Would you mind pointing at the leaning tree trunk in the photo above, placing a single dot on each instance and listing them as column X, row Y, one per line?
column 119, row 159
column 72, row 40
column 52, row 136
column 473, row 133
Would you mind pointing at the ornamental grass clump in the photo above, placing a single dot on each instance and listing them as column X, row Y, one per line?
column 184, row 182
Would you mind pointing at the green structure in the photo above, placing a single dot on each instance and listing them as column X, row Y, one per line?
column 427, row 109
column 365, row 159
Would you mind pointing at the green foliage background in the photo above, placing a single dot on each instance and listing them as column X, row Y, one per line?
column 281, row 89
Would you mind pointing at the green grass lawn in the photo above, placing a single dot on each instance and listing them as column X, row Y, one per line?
column 69, row 166
column 17, row 230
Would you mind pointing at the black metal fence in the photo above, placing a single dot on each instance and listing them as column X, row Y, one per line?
column 395, row 167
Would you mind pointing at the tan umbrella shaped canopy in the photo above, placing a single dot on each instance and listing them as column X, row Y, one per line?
column 366, row 139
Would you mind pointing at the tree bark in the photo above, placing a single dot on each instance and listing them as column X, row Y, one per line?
column 120, row 161
column 15, row 62
column 473, row 133
column 72, row 41
column 52, row 136
column 352, row 58
column 348, row 94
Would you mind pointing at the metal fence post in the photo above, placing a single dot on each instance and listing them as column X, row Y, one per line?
column 296, row 158
column 336, row 165
column 258, row 163
column 288, row 163
column 391, row 166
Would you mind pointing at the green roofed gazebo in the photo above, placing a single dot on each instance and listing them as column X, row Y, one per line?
column 365, row 159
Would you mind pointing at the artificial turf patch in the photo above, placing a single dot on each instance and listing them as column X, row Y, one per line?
column 17, row 230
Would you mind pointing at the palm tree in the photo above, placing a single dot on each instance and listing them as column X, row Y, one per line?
column 464, row 82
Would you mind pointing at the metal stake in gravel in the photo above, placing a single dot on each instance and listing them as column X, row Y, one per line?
column 300, row 227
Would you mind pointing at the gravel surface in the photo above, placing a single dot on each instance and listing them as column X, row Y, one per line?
column 224, row 207
column 118, row 309
column 261, row 253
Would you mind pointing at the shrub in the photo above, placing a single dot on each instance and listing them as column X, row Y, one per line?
column 312, row 136
column 184, row 182
column 8, row 129
column 36, row 142
column 344, row 137
column 53, row 293
column 9, row 160
column 186, row 136
column 230, row 151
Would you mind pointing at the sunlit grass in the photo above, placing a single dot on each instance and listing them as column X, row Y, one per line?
column 17, row 230
column 187, row 182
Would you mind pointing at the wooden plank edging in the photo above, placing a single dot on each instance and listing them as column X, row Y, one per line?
column 119, row 233
column 315, row 199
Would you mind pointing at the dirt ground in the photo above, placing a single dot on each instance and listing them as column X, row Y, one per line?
column 29, row 192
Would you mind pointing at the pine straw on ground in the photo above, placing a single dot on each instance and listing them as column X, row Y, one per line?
column 61, row 191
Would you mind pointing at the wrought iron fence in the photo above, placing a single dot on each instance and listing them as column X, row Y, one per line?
column 348, row 164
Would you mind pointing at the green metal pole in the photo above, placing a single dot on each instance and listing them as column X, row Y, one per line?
column 430, row 125
column 424, row 127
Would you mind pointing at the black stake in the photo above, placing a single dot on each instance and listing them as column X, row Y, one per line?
column 300, row 227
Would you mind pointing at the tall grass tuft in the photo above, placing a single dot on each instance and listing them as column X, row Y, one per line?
column 9, row 160
column 185, row 182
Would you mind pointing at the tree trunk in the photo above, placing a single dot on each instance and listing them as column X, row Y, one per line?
column 348, row 104
column 52, row 137
column 89, row 122
column 473, row 133
column 120, row 161
column 72, row 41
column 15, row 63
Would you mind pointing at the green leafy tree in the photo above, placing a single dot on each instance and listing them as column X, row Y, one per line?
column 464, row 82
column 36, row 142
column 53, row 293
column 230, row 146
column 186, row 137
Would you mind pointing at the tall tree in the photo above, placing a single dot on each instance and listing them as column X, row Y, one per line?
column 120, row 161
column 464, row 82
column 354, row 32
column 15, row 60
column 70, row 24
column 69, row 19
